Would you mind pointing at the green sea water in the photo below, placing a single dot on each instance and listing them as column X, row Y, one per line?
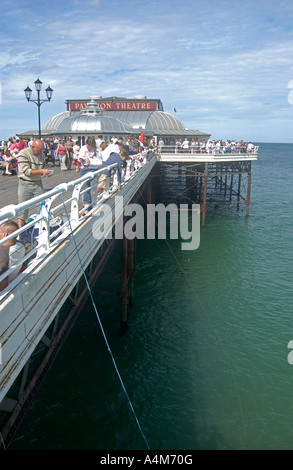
column 205, row 359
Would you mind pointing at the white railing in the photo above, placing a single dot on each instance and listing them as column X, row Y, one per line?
column 50, row 225
column 211, row 150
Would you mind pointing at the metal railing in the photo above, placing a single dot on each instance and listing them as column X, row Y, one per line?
column 49, row 226
column 210, row 150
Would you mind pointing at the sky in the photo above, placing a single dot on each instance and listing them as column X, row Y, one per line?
column 225, row 66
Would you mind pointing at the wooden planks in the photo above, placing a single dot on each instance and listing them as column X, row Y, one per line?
column 9, row 184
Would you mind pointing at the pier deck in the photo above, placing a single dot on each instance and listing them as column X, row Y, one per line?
column 30, row 306
column 9, row 184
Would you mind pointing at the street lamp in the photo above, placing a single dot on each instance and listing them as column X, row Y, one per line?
column 38, row 101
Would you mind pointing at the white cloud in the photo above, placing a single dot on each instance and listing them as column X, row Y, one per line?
column 208, row 60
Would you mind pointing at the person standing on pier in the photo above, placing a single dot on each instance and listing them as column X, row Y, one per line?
column 30, row 171
column 69, row 146
column 63, row 155
column 90, row 161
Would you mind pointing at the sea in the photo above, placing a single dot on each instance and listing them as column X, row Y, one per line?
column 206, row 362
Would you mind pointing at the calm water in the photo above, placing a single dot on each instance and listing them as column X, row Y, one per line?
column 205, row 360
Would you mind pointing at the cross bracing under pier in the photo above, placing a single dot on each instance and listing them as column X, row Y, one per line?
column 210, row 181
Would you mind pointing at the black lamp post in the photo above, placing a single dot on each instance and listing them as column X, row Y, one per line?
column 38, row 101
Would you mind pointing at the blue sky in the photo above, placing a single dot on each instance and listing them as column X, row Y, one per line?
column 225, row 66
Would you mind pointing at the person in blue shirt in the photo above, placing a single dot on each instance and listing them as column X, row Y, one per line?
column 104, row 180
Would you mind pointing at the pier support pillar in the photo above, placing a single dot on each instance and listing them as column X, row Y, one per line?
column 131, row 260
column 124, row 285
column 204, row 199
column 239, row 192
column 248, row 189
column 231, row 187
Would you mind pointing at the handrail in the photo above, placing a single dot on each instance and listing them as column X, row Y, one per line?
column 13, row 210
column 47, row 236
column 210, row 150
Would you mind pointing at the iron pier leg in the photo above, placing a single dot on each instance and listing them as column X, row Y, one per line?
column 239, row 191
column 124, row 290
column 226, row 179
column 231, row 187
column 204, row 202
column 248, row 189
column 195, row 188
column 131, row 269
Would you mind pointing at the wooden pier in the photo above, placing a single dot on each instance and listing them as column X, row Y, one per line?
column 33, row 325
column 218, row 178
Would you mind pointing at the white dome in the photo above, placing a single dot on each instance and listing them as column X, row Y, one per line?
column 159, row 120
column 89, row 124
column 90, row 120
column 51, row 125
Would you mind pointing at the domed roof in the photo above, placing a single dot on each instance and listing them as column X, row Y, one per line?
column 160, row 120
column 95, row 120
column 153, row 120
column 88, row 121
column 52, row 124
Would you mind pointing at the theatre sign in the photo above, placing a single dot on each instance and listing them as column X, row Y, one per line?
column 118, row 105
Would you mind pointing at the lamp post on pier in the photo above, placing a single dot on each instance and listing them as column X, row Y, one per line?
column 38, row 101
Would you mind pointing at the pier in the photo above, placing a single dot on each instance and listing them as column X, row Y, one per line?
column 67, row 254
column 218, row 178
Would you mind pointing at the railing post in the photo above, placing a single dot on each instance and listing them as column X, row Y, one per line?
column 44, row 228
column 74, row 210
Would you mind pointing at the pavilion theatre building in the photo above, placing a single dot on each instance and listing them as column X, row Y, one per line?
column 115, row 116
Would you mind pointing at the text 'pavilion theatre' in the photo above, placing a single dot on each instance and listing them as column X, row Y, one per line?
column 117, row 116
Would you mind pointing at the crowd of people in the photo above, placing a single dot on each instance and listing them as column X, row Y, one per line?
column 30, row 158
column 8, row 154
column 212, row 146
column 68, row 152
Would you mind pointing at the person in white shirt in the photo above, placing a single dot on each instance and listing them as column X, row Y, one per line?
column 106, row 152
column 185, row 144
column 90, row 161
column 99, row 140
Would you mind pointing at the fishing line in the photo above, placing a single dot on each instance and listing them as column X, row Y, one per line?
column 218, row 337
column 102, row 329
